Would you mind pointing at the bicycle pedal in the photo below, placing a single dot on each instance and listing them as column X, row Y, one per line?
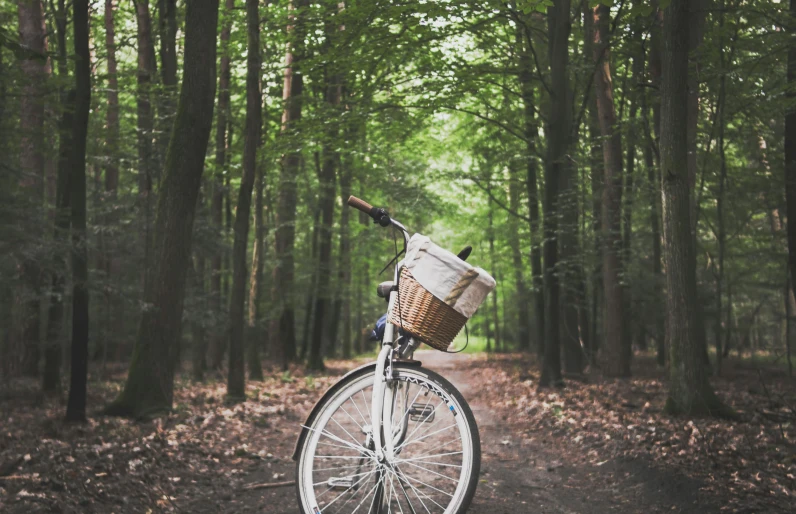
column 340, row 482
column 421, row 412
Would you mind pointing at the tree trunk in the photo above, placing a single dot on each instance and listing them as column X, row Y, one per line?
column 689, row 389
column 521, row 294
column 199, row 342
column 254, row 337
column 495, row 317
column 326, row 196
column 790, row 154
column 76, row 405
column 218, row 344
column 313, row 292
column 146, row 158
column 596, row 172
column 51, row 379
column 557, row 159
column 236, row 383
column 344, row 273
column 616, row 357
column 650, row 149
column 286, row 205
column 167, row 30
column 530, row 132
column 721, row 235
column 150, row 382
column 632, row 308
column 35, row 68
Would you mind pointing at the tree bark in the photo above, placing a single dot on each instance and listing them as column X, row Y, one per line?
column 616, row 357
column 167, row 30
column 790, row 152
column 236, row 384
column 150, row 382
column 255, row 336
column 689, row 389
column 495, row 317
column 199, row 339
column 76, row 405
column 286, row 204
column 35, row 68
column 560, row 115
column 51, row 379
column 218, row 345
column 146, row 156
column 653, row 183
column 326, row 196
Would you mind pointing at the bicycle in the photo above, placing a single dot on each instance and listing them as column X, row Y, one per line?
column 415, row 450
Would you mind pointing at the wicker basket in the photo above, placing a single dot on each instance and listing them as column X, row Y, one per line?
column 424, row 315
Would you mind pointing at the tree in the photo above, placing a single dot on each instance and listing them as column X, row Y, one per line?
column 237, row 379
column 35, row 68
column 790, row 154
column 286, row 204
column 76, row 405
column 558, row 145
column 51, row 378
column 150, row 381
column 689, row 389
column 218, row 346
column 146, row 121
column 616, row 354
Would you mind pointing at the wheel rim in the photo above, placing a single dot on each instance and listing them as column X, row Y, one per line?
column 339, row 473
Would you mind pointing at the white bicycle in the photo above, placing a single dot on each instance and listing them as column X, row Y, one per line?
column 390, row 436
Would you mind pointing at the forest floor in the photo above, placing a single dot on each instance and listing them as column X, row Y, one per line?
column 597, row 446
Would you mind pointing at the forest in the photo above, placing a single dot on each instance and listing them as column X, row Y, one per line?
column 181, row 277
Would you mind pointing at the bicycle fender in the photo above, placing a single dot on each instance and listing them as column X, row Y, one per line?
column 331, row 391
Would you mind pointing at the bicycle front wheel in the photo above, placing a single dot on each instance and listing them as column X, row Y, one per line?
column 437, row 449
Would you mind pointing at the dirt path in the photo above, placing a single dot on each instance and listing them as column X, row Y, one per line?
column 519, row 474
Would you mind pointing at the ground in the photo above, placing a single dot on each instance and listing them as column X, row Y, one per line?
column 597, row 446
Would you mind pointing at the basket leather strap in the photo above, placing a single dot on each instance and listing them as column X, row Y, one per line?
column 461, row 286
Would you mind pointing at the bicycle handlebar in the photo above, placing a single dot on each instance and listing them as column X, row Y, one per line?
column 379, row 215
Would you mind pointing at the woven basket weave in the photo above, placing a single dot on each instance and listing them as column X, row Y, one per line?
column 424, row 315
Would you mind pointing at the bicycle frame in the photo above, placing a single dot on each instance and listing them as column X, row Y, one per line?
column 383, row 395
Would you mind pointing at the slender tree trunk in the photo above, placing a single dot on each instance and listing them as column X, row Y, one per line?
column 326, row 195
column 495, row 316
column 218, row 345
column 76, row 405
column 790, row 151
column 150, row 381
column 689, row 389
column 632, row 308
column 167, row 30
column 109, row 260
column 344, row 273
column 616, row 358
column 721, row 235
column 596, row 172
column 523, row 322
column 146, row 155
column 650, row 149
column 55, row 319
column 557, row 159
column 255, row 334
column 313, row 292
column 199, row 346
column 790, row 302
column 530, row 131
column 35, row 68
column 286, row 205
column 236, row 384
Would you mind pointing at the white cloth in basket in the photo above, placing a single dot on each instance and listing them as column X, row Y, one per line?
column 447, row 277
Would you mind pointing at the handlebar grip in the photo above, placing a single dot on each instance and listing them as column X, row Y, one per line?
column 361, row 205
